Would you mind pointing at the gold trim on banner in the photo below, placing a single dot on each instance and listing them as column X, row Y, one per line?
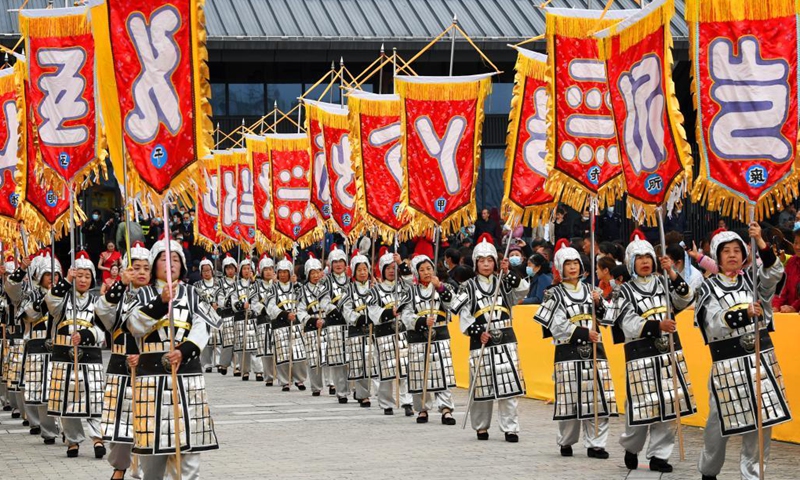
column 374, row 108
column 516, row 214
column 477, row 91
column 206, row 243
column 708, row 192
column 259, row 145
column 311, row 114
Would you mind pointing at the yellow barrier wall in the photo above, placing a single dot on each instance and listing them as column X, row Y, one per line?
column 536, row 355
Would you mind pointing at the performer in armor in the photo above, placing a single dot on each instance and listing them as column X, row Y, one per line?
column 311, row 307
column 14, row 363
column 428, row 302
column 246, row 306
column 266, row 287
column 638, row 315
column 207, row 287
column 112, row 308
column 283, row 311
column 337, row 286
column 226, row 292
column 499, row 377
column 71, row 307
column 566, row 315
column 36, row 359
column 728, row 316
column 361, row 356
column 6, row 317
column 385, row 304
column 148, row 321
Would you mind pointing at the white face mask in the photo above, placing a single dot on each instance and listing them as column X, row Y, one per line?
column 613, row 283
column 611, row 210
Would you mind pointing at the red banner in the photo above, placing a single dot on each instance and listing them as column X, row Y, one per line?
column 656, row 158
column 525, row 199
column 338, row 159
column 442, row 121
column 61, row 73
column 155, row 91
column 258, row 158
column 375, row 134
column 320, row 186
column 582, row 147
column 9, row 149
column 745, row 86
column 237, row 216
column 206, row 222
column 293, row 218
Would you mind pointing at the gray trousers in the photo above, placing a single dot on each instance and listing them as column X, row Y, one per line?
column 362, row 388
column 12, row 399
column 19, row 401
column 713, row 455
column 662, row 439
column 569, row 432
column 73, row 430
column 386, row 398
column 338, row 376
column 315, row 378
column 47, row 423
column 207, row 357
column 3, row 394
column 227, row 358
column 160, row 467
column 120, row 455
column 268, row 367
column 32, row 415
column 481, row 415
column 250, row 362
column 444, row 400
column 299, row 373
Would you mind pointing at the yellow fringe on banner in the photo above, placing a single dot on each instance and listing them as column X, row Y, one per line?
column 737, row 10
column 53, row 26
column 515, row 214
column 478, row 90
column 331, row 120
column 574, row 27
column 634, row 34
column 258, row 145
column 311, row 115
column 372, row 108
column 206, row 243
column 715, row 196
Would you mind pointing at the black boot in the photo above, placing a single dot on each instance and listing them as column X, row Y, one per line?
column 208, row 369
column 246, row 377
column 709, row 477
column 268, row 384
column 6, row 408
column 72, row 452
column 422, row 418
column 631, row 460
column 447, row 418
column 342, row 399
column 512, row 437
column 365, row 403
column 285, row 388
column 409, row 410
column 599, row 453
column 315, row 394
column 659, row 465
column 222, row 370
column 388, row 411
column 566, row 450
column 331, row 390
column 36, row 430
column 15, row 414
column 483, row 435
column 259, row 377
column 99, row 450
column 49, row 441
column 300, row 386
column 26, row 423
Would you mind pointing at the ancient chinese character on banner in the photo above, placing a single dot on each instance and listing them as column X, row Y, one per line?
column 9, row 149
column 375, row 138
column 153, row 79
column 293, row 218
column 258, row 158
column 320, row 186
column 582, row 152
column 237, row 214
column 744, row 68
column 61, row 76
column 206, row 223
column 441, row 125
column 655, row 156
column 525, row 200
column 338, row 159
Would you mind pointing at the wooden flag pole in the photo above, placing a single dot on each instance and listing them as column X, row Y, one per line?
column 757, row 352
column 595, row 387
column 176, row 411
column 74, row 299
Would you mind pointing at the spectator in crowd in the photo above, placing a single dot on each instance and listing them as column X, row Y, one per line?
column 609, row 226
column 604, row 267
column 611, row 250
column 452, row 258
column 789, row 299
column 154, row 232
column 582, row 228
column 683, row 267
column 485, row 225
column 787, row 218
column 517, row 260
column 676, row 221
column 137, row 235
column 194, row 274
column 93, row 235
column 113, row 276
column 619, row 275
column 562, row 227
column 541, row 278
column 107, row 259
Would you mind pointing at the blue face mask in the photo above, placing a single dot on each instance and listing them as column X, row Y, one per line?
column 95, row 216
column 796, row 226
column 529, row 271
column 515, row 261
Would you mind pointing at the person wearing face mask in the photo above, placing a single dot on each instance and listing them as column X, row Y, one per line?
column 609, row 225
column 517, row 260
column 74, row 324
column 729, row 316
column 541, row 278
column 93, row 235
column 566, row 315
column 489, row 324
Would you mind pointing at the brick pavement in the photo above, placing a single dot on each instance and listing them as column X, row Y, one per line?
column 266, row 433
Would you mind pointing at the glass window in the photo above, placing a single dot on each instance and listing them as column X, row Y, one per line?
column 332, row 96
column 490, row 178
column 246, row 99
column 219, row 99
column 285, row 94
column 499, row 102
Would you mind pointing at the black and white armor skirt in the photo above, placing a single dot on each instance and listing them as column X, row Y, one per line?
column 246, row 338
column 282, row 340
column 389, row 346
column 228, row 332
column 264, row 338
column 500, row 375
column 441, row 375
column 575, row 385
column 336, row 345
column 116, row 423
column 36, row 372
column 14, row 376
column 359, row 356
column 650, row 385
column 62, row 400
column 315, row 347
column 733, row 385
column 153, row 417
